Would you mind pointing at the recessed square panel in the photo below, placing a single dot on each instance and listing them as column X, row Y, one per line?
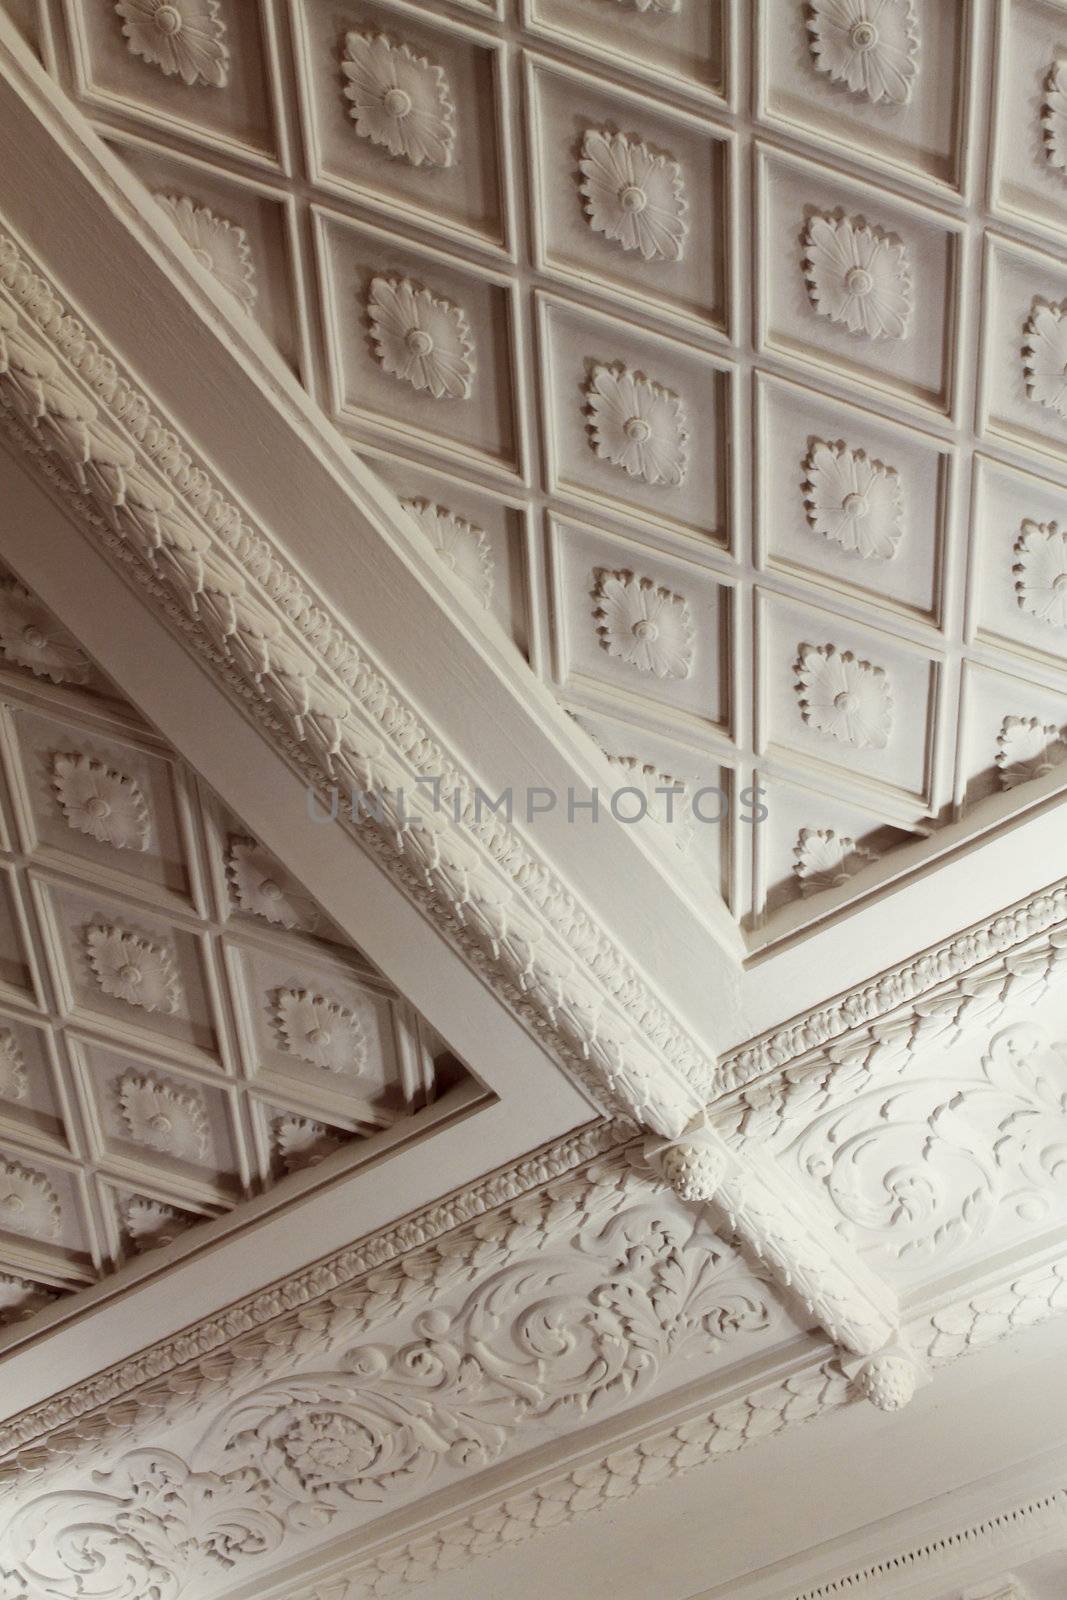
column 891, row 84
column 635, row 425
column 17, row 967
column 1030, row 130
column 243, row 233
column 1024, row 353
column 1012, row 730
column 43, row 1214
column 639, row 627
column 30, row 1098
column 849, row 501
column 628, row 200
column 686, row 48
column 479, row 536
column 213, row 85
column 856, row 281
column 837, row 694
column 441, row 162
column 1019, row 580
column 419, row 345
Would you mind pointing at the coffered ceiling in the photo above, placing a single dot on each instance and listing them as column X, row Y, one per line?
column 748, row 427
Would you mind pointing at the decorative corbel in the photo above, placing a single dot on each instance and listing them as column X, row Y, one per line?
column 773, row 1223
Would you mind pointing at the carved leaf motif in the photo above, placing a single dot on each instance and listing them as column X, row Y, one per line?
column 399, row 100
column 220, row 246
column 1027, row 748
column 28, row 1203
column 132, row 969
column 262, row 887
column 825, row 859
column 100, row 802
column 14, row 1080
column 632, row 196
column 846, row 699
column 421, row 340
column 1045, row 356
column 1054, row 116
column 166, row 1118
column 637, row 425
column 1041, row 571
column 321, row 1030
column 854, row 501
column 643, row 624
column 463, row 548
column 872, row 46
column 180, row 37
column 31, row 637
column 857, row 276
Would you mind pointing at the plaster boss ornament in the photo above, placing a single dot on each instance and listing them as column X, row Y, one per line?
column 14, row 1080
column 302, row 1142
column 853, row 501
column 28, row 1203
column 824, row 859
column 632, row 196
column 164, row 1117
column 1041, row 571
column 264, row 889
column 399, row 100
column 221, row 247
column 872, row 46
column 321, row 1031
column 847, row 699
column 421, row 340
column 184, row 38
column 1045, row 356
column 1027, row 748
column 694, row 1171
column 647, row 626
column 100, row 802
column 857, row 276
column 888, row 1379
column 1054, row 116
column 132, row 969
column 637, row 425
column 462, row 547
column 31, row 637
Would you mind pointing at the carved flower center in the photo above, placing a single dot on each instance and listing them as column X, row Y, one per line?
column 160, row 1122
column 270, row 890
column 419, row 342
column 845, row 700
column 96, row 806
column 168, row 20
column 864, row 36
column 633, row 198
column 328, row 1453
column 637, row 429
column 397, row 102
column 13, row 1202
column 131, row 974
column 319, row 1036
column 33, row 636
column 858, row 281
column 204, row 259
column 645, row 629
column 855, row 505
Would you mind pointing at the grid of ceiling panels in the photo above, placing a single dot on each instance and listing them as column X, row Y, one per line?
column 180, row 1026
column 742, row 407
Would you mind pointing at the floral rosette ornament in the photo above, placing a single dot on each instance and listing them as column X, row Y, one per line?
column 853, row 501
column 221, row 247
column 421, row 340
column 846, row 699
column 1041, row 571
column 633, row 196
column 183, row 38
column 871, row 46
column 132, row 969
column 460, row 546
column 824, row 859
column 645, row 625
column 857, row 276
column 99, row 802
column 399, row 100
column 1054, row 116
column 31, row 637
column 1045, row 356
column 637, row 425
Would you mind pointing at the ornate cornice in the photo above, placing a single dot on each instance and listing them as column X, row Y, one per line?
column 332, row 712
